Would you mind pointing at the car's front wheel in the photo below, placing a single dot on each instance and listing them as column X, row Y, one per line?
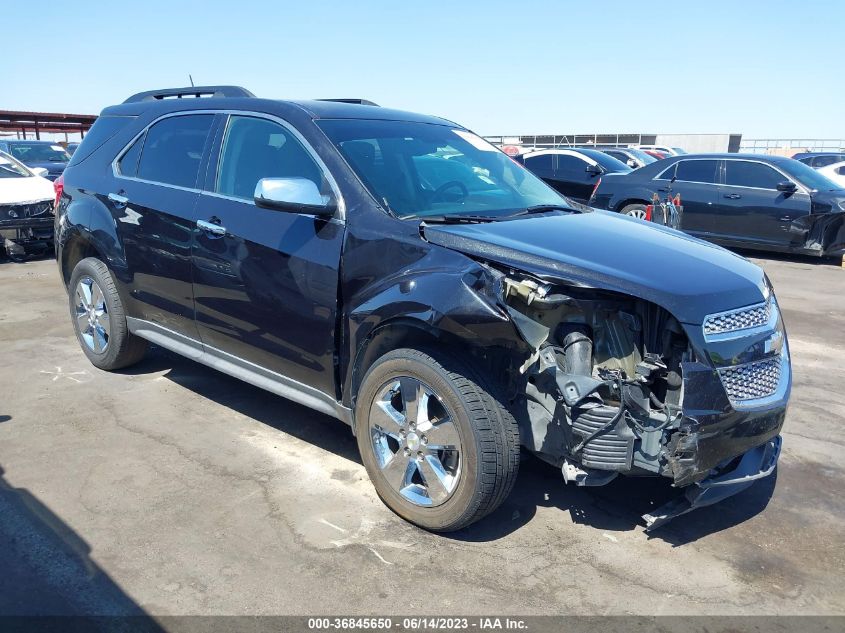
column 441, row 451
column 635, row 211
column 99, row 318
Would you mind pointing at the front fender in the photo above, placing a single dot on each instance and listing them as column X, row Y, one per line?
column 448, row 296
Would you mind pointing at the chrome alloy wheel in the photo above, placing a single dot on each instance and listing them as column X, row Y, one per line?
column 92, row 315
column 640, row 214
column 415, row 441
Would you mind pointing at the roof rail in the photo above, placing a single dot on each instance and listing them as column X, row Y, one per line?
column 356, row 101
column 190, row 91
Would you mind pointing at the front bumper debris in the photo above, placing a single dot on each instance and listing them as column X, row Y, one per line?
column 726, row 480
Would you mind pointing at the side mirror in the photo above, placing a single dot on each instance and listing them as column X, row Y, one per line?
column 632, row 163
column 39, row 171
column 593, row 170
column 297, row 195
column 787, row 186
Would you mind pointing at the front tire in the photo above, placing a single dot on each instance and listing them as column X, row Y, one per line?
column 99, row 318
column 441, row 451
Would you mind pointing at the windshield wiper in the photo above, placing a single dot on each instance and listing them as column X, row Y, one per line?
column 456, row 218
column 541, row 208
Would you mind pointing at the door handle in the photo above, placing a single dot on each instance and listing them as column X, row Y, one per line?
column 212, row 227
column 786, row 218
column 733, row 196
column 119, row 201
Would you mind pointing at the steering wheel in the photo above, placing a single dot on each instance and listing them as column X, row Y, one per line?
column 452, row 184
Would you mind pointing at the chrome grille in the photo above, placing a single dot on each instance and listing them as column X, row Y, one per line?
column 740, row 319
column 752, row 381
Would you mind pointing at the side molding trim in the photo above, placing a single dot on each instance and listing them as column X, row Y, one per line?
column 239, row 368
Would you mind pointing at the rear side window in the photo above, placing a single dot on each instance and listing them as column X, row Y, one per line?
column 257, row 148
column 103, row 129
column 173, row 150
column 697, row 171
column 743, row 173
column 824, row 161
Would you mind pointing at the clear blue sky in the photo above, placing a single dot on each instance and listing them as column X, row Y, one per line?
column 768, row 68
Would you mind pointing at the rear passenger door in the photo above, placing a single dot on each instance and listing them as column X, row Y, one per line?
column 266, row 291
column 756, row 210
column 696, row 180
column 152, row 199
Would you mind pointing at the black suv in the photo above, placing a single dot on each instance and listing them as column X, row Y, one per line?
column 400, row 273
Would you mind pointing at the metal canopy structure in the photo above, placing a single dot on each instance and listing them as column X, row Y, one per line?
column 38, row 122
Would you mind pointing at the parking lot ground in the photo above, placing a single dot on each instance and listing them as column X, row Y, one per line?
column 170, row 488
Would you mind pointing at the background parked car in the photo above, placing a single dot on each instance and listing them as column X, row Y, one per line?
column 663, row 149
column 45, row 154
column 26, row 209
column 766, row 202
column 71, row 148
column 634, row 158
column 817, row 160
column 835, row 172
column 572, row 172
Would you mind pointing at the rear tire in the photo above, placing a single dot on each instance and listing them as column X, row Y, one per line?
column 99, row 319
column 635, row 211
column 441, row 451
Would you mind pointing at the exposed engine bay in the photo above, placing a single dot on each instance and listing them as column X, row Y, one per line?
column 604, row 388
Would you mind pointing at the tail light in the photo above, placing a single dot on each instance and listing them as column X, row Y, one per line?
column 58, row 187
column 649, row 209
column 596, row 188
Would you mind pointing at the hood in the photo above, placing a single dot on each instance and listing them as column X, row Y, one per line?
column 688, row 277
column 31, row 189
column 831, row 201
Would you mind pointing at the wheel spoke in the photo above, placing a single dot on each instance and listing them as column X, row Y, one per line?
column 104, row 321
column 99, row 339
column 81, row 319
column 414, row 400
column 386, row 418
column 438, row 482
column 442, row 435
column 96, row 297
column 85, row 288
column 81, row 301
column 399, row 470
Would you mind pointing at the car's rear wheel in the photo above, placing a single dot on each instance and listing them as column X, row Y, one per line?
column 441, row 451
column 99, row 319
column 635, row 211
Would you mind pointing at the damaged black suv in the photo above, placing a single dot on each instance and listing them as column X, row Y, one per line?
column 401, row 274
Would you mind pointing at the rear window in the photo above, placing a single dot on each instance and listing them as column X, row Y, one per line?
column 173, row 150
column 103, row 129
column 38, row 152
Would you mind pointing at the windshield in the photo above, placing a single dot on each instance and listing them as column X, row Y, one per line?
column 420, row 170
column 10, row 168
column 678, row 151
column 610, row 163
column 807, row 176
column 38, row 153
column 646, row 159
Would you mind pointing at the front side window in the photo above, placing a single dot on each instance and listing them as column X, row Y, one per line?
column 10, row 168
column 743, row 173
column 173, row 150
column 542, row 162
column 257, row 148
column 569, row 164
column 419, row 170
column 697, row 171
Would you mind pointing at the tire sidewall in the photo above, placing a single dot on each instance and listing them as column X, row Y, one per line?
column 88, row 268
column 461, row 502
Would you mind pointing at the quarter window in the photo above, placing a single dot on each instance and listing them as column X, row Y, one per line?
column 668, row 174
column 128, row 163
column 173, row 150
column 542, row 162
column 697, row 171
column 257, row 148
column 743, row 173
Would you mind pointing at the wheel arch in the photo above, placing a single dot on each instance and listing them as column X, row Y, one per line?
column 630, row 200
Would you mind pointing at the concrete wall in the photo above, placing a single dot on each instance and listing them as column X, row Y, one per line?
column 700, row 143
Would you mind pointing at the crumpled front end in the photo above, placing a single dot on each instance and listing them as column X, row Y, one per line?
column 617, row 385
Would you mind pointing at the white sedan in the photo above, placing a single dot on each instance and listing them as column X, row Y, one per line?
column 834, row 172
column 26, row 209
